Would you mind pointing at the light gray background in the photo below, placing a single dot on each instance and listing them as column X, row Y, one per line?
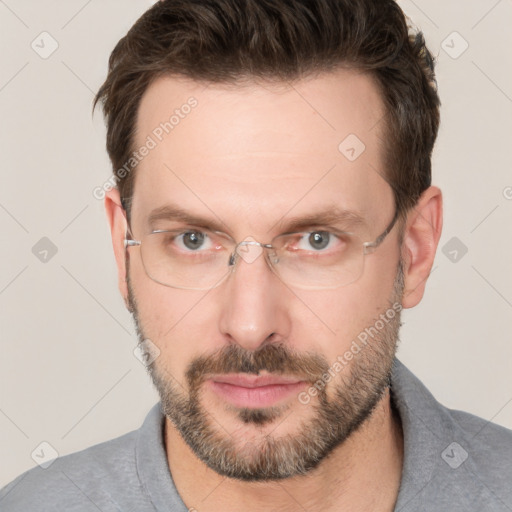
column 68, row 375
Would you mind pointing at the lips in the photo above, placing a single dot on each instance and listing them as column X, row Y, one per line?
column 253, row 381
column 255, row 391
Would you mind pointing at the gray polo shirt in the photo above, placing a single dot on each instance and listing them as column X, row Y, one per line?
column 453, row 461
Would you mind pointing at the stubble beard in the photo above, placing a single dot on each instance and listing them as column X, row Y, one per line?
column 357, row 390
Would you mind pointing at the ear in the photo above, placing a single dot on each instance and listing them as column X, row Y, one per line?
column 117, row 222
column 421, row 237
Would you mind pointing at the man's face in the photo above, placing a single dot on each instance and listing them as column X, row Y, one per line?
column 252, row 158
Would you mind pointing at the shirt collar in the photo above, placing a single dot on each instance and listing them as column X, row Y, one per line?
column 152, row 466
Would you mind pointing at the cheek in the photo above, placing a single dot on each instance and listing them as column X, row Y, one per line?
column 174, row 320
column 342, row 314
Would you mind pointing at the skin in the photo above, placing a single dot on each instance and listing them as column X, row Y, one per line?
column 249, row 157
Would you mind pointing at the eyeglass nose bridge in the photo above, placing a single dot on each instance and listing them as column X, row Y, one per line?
column 247, row 255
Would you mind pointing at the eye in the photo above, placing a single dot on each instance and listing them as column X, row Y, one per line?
column 193, row 240
column 317, row 240
column 189, row 241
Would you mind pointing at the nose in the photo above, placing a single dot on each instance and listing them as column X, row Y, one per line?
column 254, row 305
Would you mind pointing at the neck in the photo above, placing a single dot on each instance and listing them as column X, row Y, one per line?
column 361, row 474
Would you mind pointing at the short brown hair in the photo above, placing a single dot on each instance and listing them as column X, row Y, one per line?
column 227, row 41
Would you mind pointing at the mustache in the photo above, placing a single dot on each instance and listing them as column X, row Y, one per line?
column 273, row 358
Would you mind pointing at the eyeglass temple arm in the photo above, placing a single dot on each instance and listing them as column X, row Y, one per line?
column 369, row 247
column 130, row 243
column 129, row 240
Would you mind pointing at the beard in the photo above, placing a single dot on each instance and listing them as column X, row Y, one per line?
column 357, row 390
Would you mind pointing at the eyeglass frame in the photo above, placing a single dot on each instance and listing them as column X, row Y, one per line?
column 368, row 248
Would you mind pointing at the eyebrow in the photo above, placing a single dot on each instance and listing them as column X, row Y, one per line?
column 332, row 215
column 173, row 212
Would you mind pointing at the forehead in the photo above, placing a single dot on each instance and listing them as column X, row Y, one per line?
column 255, row 152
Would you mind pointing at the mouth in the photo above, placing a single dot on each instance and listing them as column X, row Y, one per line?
column 255, row 391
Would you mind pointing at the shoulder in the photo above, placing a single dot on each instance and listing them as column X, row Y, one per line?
column 91, row 479
column 489, row 445
column 451, row 456
column 478, row 458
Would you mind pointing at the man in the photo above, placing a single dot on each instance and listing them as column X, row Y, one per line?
column 273, row 215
